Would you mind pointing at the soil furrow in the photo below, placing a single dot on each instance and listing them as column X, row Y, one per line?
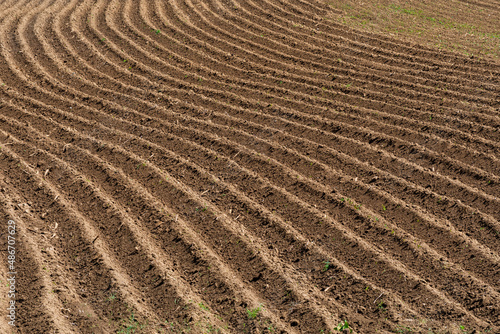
column 327, row 83
column 437, row 131
column 361, row 169
column 395, row 50
column 348, row 81
column 45, row 262
column 301, row 39
column 78, row 308
column 251, row 167
column 90, row 249
column 30, row 308
column 264, row 278
column 182, row 252
column 8, row 7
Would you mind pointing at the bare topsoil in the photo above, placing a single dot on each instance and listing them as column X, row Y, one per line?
column 186, row 166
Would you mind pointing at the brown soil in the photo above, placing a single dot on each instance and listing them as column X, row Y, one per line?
column 234, row 166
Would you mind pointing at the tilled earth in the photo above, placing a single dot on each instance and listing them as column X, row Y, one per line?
column 227, row 166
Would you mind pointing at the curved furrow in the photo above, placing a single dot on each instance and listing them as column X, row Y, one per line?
column 404, row 47
column 347, row 129
column 325, row 30
column 429, row 115
column 54, row 200
column 368, row 126
column 364, row 43
column 150, row 264
column 342, row 159
column 66, row 147
column 54, row 279
column 228, row 274
column 216, row 283
column 23, row 274
column 63, row 259
column 8, row 7
column 192, row 154
column 317, row 30
column 159, row 295
column 381, row 97
column 130, row 235
column 282, row 33
column 230, row 16
column 34, row 301
column 157, row 144
column 101, row 148
column 277, row 174
column 171, row 11
column 442, row 8
column 382, row 153
column 192, row 178
column 103, row 264
column 319, row 91
column 54, row 290
column 314, row 56
column 331, row 158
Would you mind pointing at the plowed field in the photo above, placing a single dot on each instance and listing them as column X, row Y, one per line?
column 257, row 166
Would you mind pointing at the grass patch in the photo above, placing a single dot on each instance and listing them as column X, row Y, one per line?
column 253, row 313
column 131, row 325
